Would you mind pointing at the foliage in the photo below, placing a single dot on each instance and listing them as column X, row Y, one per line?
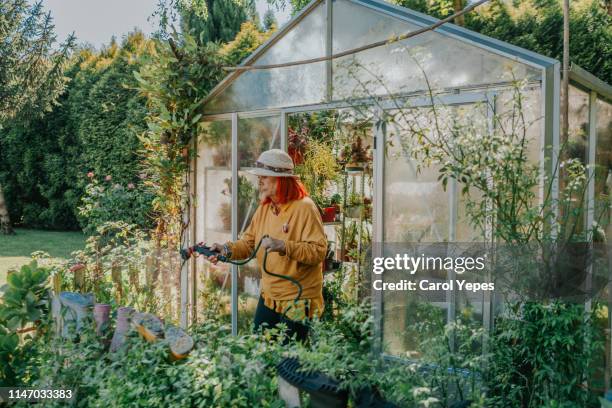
column 175, row 84
column 9, row 349
column 108, row 201
column 100, row 115
column 356, row 154
column 247, row 40
column 342, row 348
column 542, row 354
column 31, row 70
column 24, row 302
column 24, row 298
column 205, row 21
column 223, row 370
column 94, row 129
column 453, row 361
column 237, row 371
column 269, row 21
column 118, row 268
column 318, row 169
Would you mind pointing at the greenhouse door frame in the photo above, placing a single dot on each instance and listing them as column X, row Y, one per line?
column 487, row 98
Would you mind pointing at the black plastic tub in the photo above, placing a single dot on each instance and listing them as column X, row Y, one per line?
column 324, row 391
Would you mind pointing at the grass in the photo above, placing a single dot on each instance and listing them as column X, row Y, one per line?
column 15, row 249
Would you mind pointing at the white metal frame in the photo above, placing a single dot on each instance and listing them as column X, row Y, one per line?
column 550, row 99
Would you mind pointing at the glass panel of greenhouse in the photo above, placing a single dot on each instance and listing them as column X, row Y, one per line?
column 255, row 135
column 427, row 61
column 273, row 88
column 373, row 105
column 213, row 204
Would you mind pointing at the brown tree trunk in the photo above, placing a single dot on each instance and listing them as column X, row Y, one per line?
column 5, row 221
column 458, row 6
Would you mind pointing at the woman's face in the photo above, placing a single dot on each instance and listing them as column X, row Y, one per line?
column 267, row 187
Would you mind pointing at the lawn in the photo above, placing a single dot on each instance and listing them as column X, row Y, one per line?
column 15, row 249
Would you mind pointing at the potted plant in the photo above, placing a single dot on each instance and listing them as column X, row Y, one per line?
column 297, row 144
column 350, row 241
column 367, row 207
column 330, row 263
column 354, row 207
column 356, row 156
column 319, row 168
column 329, row 207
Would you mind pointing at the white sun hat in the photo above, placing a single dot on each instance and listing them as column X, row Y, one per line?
column 274, row 163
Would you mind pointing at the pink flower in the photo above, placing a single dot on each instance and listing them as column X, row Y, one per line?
column 131, row 186
column 108, row 178
column 76, row 267
column 90, row 174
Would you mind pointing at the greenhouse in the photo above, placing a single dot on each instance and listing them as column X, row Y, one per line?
column 343, row 121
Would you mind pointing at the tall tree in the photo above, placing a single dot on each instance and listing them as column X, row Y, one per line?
column 31, row 70
column 215, row 20
column 269, row 21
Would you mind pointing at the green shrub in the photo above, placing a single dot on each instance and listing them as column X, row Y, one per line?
column 24, row 297
column 24, row 302
column 107, row 201
column 223, row 371
column 343, row 349
column 542, row 354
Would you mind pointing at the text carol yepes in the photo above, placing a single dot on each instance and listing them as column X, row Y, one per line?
column 426, row 285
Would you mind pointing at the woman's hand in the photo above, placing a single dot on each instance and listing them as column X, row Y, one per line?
column 215, row 247
column 273, row 245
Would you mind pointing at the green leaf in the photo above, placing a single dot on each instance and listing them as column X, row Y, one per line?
column 14, row 323
column 196, row 118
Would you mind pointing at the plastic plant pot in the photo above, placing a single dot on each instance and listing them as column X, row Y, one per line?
column 101, row 313
column 75, row 308
column 370, row 397
column 324, row 391
column 329, row 214
column 354, row 211
column 124, row 314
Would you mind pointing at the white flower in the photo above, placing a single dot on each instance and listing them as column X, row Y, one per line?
column 420, row 390
column 430, row 401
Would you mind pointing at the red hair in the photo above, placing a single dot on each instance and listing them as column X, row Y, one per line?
column 288, row 189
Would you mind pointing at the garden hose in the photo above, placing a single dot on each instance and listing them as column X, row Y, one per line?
column 207, row 251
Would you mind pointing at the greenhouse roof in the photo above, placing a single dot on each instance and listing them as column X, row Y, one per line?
column 448, row 58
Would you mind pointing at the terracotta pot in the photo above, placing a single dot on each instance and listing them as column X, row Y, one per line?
column 101, row 313
column 329, row 214
column 124, row 314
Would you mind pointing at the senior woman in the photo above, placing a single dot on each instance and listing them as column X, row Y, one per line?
column 296, row 246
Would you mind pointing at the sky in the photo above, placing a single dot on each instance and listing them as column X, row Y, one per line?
column 96, row 21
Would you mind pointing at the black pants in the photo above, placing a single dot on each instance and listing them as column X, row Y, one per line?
column 268, row 318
